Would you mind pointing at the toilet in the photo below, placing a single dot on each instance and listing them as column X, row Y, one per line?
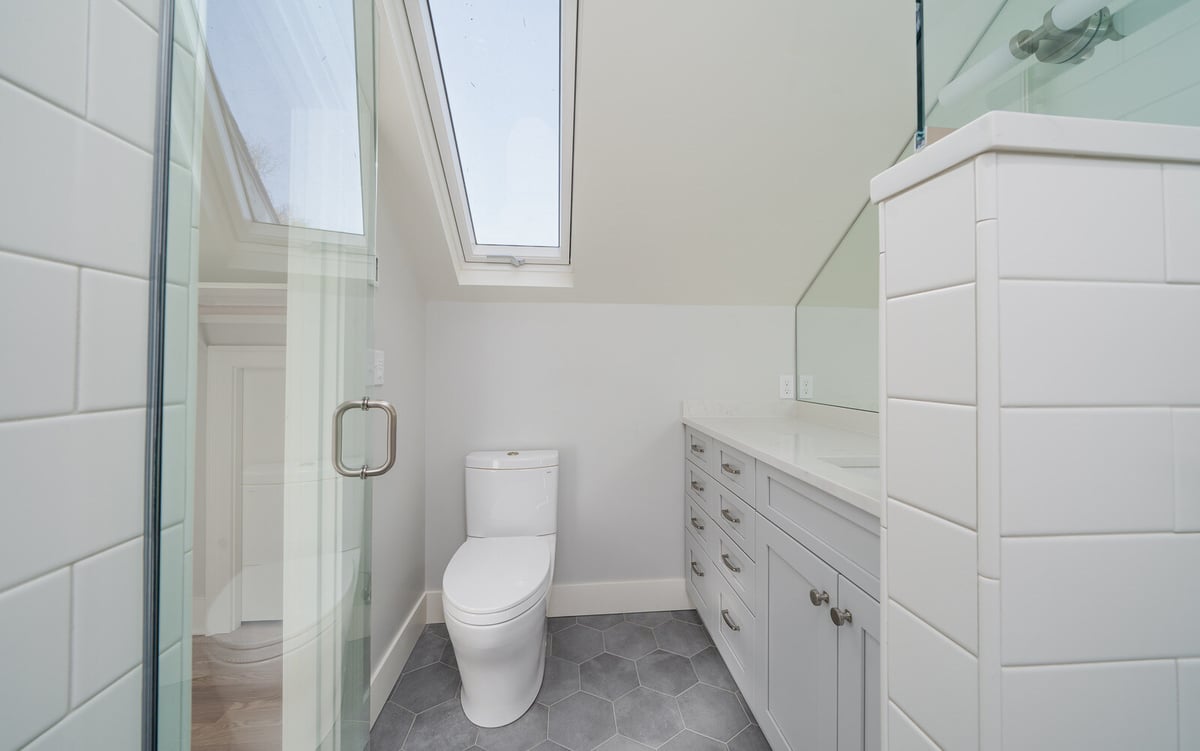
column 495, row 589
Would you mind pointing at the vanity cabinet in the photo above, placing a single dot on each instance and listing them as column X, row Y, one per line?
column 786, row 577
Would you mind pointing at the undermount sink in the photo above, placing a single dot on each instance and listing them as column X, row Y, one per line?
column 862, row 465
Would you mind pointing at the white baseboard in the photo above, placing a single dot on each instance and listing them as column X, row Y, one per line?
column 385, row 675
column 597, row 597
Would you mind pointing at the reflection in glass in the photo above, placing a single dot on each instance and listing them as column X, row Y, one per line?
column 837, row 322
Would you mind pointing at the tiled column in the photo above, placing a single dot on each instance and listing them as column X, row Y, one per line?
column 1042, row 448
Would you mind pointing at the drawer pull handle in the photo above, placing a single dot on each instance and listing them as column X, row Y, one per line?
column 697, row 570
column 697, row 448
column 729, row 621
column 818, row 598
column 733, row 519
column 696, row 523
column 730, row 469
column 697, row 487
column 729, row 564
column 840, row 617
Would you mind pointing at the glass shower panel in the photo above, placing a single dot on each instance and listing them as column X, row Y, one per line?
column 1120, row 60
column 264, row 594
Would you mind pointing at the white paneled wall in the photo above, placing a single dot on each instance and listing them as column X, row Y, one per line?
column 77, row 106
column 1042, row 447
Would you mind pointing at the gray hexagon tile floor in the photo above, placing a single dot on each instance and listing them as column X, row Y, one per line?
column 622, row 682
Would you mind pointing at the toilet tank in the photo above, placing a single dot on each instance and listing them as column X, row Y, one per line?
column 512, row 493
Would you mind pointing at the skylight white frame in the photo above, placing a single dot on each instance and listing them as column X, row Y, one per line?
column 439, row 108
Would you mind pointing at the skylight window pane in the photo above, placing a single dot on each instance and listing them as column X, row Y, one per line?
column 500, row 66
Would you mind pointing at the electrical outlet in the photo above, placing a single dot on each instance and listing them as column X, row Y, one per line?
column 804, row 387
column 787, row 386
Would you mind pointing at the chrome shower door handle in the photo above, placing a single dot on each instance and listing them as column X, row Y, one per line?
column 364, row 471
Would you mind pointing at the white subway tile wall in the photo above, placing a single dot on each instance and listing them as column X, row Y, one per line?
column 1084, row 446
column 1117, row 706
column 931, row 571
column 932, row 679
column 77, row 101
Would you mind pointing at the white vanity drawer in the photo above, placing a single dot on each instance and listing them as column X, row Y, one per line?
column 699, row 448
column 701, row 579
column 701, row 485
column 736, row 567
column 735, row 637
column 737, row 518
column 735, row 470
column 844, row 536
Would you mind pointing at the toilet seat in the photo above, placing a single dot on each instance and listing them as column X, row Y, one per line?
column 491, row 580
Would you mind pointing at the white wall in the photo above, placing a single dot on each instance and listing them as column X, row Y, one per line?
column 603, row 385
column 77, row 103
column 398, row 510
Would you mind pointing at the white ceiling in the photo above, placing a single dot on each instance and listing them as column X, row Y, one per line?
column 721, row 149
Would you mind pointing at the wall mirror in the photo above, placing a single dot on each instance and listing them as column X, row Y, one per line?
column 837, row 323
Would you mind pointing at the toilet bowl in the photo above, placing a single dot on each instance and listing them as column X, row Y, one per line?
column 494, row 596
column 496, row 587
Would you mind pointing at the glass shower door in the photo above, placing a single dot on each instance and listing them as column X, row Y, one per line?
column 264, row 587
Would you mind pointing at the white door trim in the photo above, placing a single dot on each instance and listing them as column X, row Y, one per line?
column 223, row 479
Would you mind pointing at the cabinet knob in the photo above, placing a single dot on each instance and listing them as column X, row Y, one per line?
column 696, row 486
column 696, row 569
column 840, row 617
column 696, row 523
column 818, row 598
column 730, row 469
column 732, row 519
column 697, row 448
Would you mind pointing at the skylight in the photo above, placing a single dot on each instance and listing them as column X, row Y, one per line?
column 499, row 70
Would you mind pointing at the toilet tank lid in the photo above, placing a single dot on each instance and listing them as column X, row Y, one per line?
column 522, row 459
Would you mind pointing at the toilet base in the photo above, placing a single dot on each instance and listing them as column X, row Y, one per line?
column 501, row 665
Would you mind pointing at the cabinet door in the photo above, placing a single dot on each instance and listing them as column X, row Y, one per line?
column 795, row 700
column 859, row 704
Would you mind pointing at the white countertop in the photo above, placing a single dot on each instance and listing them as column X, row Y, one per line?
column 800, row 447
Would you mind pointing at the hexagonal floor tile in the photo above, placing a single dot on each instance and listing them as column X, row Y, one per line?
column 442, row 728
column 608, row 676
column 601, row 622
column 687, row 616
column 681, row 638
column 750, row 739
column 689, row 741
column 712, row 711
column 648, row 619
column 621, row 743
column 711, row 669
column 581, row 722
column 426, row 687
column 577, row 643
column 522, row 735
column 548, row 746
column 448, row 656
column 629, row 640
column 428, row 650
column 558, row 624
column 391, row 728
column 666, row 672
column 560, row 680
column 648, row 717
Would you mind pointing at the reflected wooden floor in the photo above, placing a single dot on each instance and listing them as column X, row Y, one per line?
column 235, row 706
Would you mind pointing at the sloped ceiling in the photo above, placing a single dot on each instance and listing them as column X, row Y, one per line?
column 721, row 149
